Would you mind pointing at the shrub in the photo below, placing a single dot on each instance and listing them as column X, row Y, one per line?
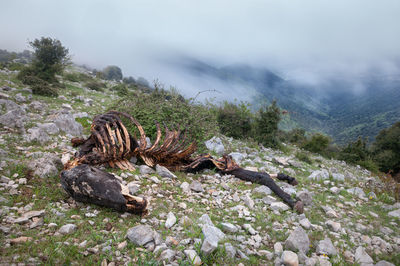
column 121, row 89
column 303, row 157
column 95, row 85
column 235, row 120
column 318, row 143
column 170, row 108
column 266, row 126
column 386, row 149
column 44, row 89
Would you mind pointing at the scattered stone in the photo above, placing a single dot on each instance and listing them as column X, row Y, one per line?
column 196, row 186
column 278, row 248
column 298, row 241
column 171, row 220
column 263, row 190
column 357, row 191
column 334, row 226
column 47, row 166
column 249, row 229
column 145, row 170
column 209, row 245
column 167, row 255
column 228, row 227
column 192, row 257
column 361, row 256
column 205, row 220
column 164, row 172
column 279, row 206
column 37, row 134
column 67, row 229
column 67, row 123
column 185, row 187
column 230, row 250
column 248, row 201
column 289, row 258
column 319, row 175
column 338, row 177
column 237, row 156
column 209, row 230
column 305, row 197
column 140, row 235
column 395, row 213
column 154, row 179
column 215, row 144
column 305, row 223
column 384, row 263
column 325, row 247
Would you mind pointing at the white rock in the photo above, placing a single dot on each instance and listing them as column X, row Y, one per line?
column 289, row 258
column 228, row 227
column 171, row 220
column 362, row 257
column 395, row 213
column 305, row 223
column 192, row 257
column 67, row 229
column 279, row 206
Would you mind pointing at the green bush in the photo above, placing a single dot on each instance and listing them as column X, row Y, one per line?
column 112, row 73
column 170, row 108
column 386, row 149
column 235, row 120
column 302, row 156
column 121, row 89
column 266, row 125
column 95, row 85
column 44, row 89
column 318, row 143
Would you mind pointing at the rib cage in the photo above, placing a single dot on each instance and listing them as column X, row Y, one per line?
column 110, row 142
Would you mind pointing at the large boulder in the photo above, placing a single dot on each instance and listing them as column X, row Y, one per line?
column 46, row 166
column 67, row 123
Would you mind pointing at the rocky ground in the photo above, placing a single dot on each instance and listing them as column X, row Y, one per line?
column 196, row 219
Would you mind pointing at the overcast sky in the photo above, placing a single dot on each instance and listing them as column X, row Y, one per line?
column 296, row 38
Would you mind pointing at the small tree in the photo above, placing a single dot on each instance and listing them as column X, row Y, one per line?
column 318, row 143
column 266, row 128
column 387, row 149
column 50, row 58
column 112, row 73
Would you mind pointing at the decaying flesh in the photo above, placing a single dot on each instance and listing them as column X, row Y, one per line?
column 111, row 143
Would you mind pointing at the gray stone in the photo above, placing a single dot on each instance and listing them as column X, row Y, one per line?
column 171, row 220
column 20, row 98
column 192, row 257
column 67, row 229
column 209, row 244
column 185, row 187
column 384, row 263
column 140, row 235
column 357, row 191
column 145, row 170
column 334, row 190
column 164, row 172
column 326, row 247
column 237, row 156
column 298, row 241
column 228, row 227
column 279, row 206
column 333, row 226
column 50, row 128
column 338, row 177
column 230, row 250
column 209, row 230
column 319, row 175
column 196, row 186
column 305, row 223
column 47, row 166
column 249, row 229
column 263, row 190
column 289, row 258
column 67, row 123
column 133, row 188
column 167, row 255
column 281, row 160
column 395, row 213
column 305, row 197
column 205, row 220
column 215, row 144
column 154, row 179
column 361, row 256
column 37, row 134
column 14, row 115
column 278, row 248
column 248, row 201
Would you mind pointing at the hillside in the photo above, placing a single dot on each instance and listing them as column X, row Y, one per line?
column 331, row 107
column 350, row 214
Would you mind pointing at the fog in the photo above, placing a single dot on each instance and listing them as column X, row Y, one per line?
column 309, row 41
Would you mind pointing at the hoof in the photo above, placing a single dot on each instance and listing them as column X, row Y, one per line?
column 299, row 207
